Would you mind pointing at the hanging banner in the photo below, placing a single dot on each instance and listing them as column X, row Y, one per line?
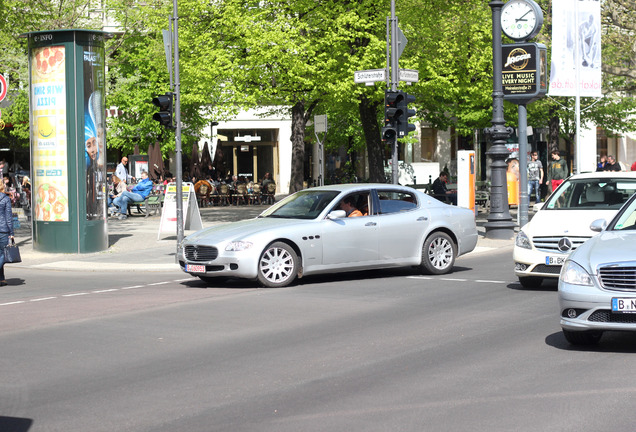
column 576, row 23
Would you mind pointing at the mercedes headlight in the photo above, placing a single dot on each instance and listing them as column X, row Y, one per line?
column 574, row 274
column 237, row 246
column 523, row 241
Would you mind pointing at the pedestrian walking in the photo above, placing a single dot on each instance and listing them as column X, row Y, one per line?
column 122, row 172
column 535, row 176
column 557, row 170
column 6, row 229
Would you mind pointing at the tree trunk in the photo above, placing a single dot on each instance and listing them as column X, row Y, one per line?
column 553, row 140
column 375, row 146
column 298, row 147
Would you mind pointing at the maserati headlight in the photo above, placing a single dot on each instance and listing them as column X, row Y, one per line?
column 237, row 246
column 574, row 274
column 523, row 241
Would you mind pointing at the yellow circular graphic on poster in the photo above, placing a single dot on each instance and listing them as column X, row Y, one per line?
column 46, row 127
column 50, row 204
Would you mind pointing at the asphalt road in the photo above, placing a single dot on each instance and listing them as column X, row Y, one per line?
column 377, row 351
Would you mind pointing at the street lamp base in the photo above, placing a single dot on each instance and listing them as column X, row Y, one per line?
column 500, row 230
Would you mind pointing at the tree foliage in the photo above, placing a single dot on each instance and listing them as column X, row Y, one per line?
column 299, row 56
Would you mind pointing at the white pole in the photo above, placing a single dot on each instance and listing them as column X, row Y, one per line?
column 577, row 64
column 177, row 119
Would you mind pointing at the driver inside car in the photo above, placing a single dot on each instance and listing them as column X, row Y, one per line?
column 348, row 205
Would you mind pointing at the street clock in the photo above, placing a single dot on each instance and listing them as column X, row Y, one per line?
column 521, row 20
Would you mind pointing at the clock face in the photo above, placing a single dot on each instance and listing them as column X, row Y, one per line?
column 519, row 19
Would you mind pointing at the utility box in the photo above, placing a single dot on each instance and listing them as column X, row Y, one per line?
column 466, row 179
column 68, row 140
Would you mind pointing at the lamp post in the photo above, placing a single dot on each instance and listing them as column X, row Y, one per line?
column 500, row 224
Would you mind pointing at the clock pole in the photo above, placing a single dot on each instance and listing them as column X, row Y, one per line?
column 500, row 224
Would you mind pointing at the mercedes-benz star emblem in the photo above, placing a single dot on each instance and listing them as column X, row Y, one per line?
column 565, row 244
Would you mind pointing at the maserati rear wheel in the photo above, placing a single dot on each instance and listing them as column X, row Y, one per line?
column 438, row 254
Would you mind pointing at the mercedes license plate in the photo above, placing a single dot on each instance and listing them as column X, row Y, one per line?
column 624, row 305
column 554, row 260
column 195, row 268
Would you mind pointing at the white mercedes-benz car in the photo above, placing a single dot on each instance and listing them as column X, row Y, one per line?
column 563, row 222
column 309, row 233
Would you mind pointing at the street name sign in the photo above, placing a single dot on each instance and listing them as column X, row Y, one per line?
column 320, row 123
column 408, row 75
column 369, row 76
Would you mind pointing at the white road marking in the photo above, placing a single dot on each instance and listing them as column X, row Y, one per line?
column 95, row 292
column 458, row 280
column 194, row 278
column 12, row 303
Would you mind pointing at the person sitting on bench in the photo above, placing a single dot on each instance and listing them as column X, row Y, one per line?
column 138, row 193
column 441, row 192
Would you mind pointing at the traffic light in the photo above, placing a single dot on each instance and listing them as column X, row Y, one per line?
column 164, row 116
column 391, row 115
column 396, row 115
column 403, row 107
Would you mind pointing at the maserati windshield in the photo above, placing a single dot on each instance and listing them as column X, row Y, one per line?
column 305, row 204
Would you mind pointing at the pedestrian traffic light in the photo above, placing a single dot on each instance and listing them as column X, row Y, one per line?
column 164, row 116
column 391, row 115
column 403, row 108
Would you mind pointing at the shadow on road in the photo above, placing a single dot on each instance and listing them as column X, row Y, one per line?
column 15, row 424
column 355, row 276
column 114, row 238
column 611, row 342
column 548, row 285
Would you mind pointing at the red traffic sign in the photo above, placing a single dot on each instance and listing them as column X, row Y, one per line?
column 3, row 88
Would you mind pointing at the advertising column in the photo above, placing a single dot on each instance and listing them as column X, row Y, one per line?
column 68, row 140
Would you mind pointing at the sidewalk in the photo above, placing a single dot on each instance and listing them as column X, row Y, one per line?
column 135, row 244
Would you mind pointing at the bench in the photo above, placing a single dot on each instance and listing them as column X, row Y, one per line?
column 481, row 198
column 152, row 203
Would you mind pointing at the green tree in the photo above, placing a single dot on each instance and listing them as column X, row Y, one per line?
column 450, row 43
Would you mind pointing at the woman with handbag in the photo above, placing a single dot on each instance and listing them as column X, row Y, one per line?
column 6, row 228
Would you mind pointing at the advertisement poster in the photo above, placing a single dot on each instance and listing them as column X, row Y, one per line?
column 576, row 44
column 49, row 134
column 519, row 72
column 94, row 133
column 140, row 166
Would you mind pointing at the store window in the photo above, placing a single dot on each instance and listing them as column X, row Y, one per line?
column 428, row 144
column 601, row 143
